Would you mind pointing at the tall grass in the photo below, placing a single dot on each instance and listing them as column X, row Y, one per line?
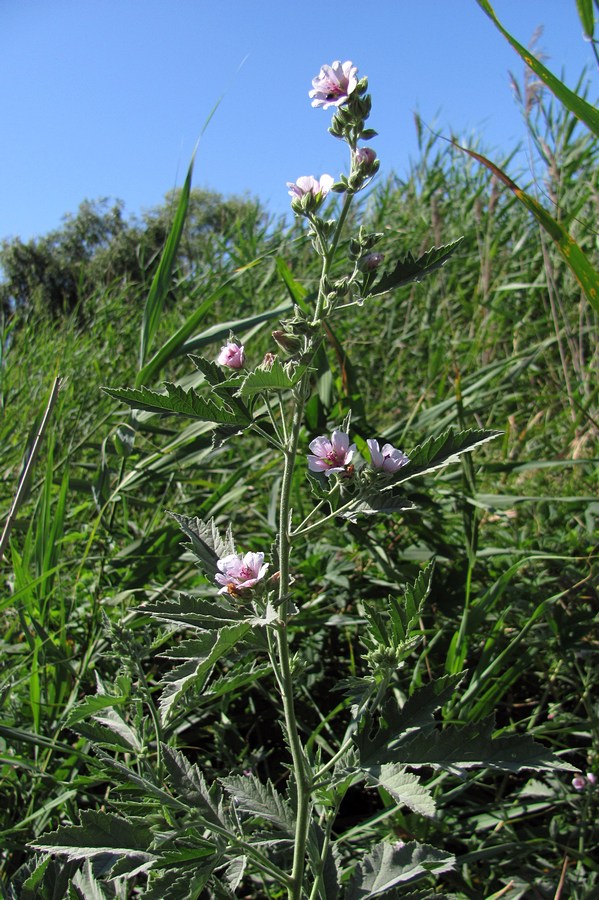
column 502, row 338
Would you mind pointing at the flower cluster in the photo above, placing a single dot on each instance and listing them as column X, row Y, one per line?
column 335, row 455
column 239, row 573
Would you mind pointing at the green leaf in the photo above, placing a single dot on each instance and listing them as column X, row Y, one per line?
column 180, row 402
column 189, row 785
column 206, row 542
column 404, row 787
column 194, row 673
column 581, row 109
column 587, row 17
column 100, row 834
column 415, row 716
column 584, row 272
column 388, row 865
column 194, row 612
column 435, row 453
column 375, row 502
column 413, row 268
column 162, row 279
column 262, row 800
column 89, row 887
column 404, row 614
column 271, row 377
column 457, row 748
column 180, row 882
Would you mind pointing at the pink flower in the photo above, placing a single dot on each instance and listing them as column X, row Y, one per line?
column 308, row 184
column 239, row 573
column 232, row 355
column 333, row 84
column 388, row 459
column 330, row 456
column 579, row 782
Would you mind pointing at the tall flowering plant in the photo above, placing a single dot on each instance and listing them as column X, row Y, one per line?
column 217, row 838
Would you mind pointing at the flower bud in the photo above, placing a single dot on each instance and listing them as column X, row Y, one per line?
column 364, row 157
column 287, row 342
column 232, row 355
column 370, row 262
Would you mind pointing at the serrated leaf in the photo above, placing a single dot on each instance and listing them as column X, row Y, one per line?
column 190, row 785
column 178, row 883
column 89, row 887
column 207, row 542
column 404, row 614
column 194, row 673
column 405, row 787
column 457, row 748
column 194, row 612
column 274, row 377
column 92, row 705
column 263, row 800
column 117, row 725
column 100, row 734
column 437, row 452
column 99, row 834
column 178, row 401
column 235, row 872
column 416, row 715
column 373, row 503
column 388, row 865
column 412, row 269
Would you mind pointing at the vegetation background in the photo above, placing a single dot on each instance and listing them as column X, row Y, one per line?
column 502, row 337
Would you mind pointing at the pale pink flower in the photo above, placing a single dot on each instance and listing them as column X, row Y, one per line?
column 333, row 84
column 579, row 782
column 330, row 456
column 388, row 459
column 232, row 355
column 308, row 184
column 239, row 573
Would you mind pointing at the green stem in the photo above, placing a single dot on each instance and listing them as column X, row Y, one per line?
column 285, row 677
column 315, row 892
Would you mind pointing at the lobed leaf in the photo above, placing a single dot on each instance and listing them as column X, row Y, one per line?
column 207, row 543
column 275, row 377
column 405, row 787
column 180, row 402
column 261, row 799
column 100, row 834
column 194, row 673
column 388, row 865
column 413, row 268
column 190, row 785
column 437, row 452
column 194, row 612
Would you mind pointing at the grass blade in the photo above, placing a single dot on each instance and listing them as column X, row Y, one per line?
column 581, row 109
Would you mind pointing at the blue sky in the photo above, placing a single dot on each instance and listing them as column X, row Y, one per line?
column 106, row 98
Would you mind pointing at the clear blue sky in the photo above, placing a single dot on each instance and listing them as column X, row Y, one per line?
column 106, row 98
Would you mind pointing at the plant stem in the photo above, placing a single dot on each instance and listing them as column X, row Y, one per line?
column 285, row 678
column 301, row 767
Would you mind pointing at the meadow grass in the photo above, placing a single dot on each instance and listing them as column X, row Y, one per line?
column 502, row 337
